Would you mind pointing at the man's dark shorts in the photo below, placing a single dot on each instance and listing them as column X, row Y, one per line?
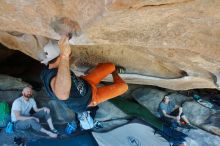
column 176, row 113
column 173, row 113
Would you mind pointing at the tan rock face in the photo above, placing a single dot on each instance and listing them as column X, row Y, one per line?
column 168, row 43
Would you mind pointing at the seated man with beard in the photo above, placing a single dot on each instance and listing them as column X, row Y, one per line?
column 22, row 119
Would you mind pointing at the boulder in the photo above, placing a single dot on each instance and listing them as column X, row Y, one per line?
column 150, row 98
column 60, row 113
column 11, row 88
column 205, row 118
column 198, row 115
column 199, row 137
column 167, row 43
column 110, row 116
column 108, row 111
column 9, row 96
column 179, row 98
column 11, row 83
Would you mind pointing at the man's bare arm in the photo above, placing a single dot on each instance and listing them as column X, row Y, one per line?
column 22, row 118
column 36, row 109
column 61, row 83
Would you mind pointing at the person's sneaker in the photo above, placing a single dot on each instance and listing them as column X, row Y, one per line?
column 98, row 125
column 70, row 128
column 52, row 135
column 19, row 141
column 54, row 131
column 189, row 126
column 120, row 69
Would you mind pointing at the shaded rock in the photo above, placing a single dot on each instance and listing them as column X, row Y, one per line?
column 211, row 128
column 202, row 117
column 198, row 137
column 196, row 113
column 11, row 88
column 9, row 96
column 41, row 95
column 108, row 111
column 215, row 119
column 5, row 53
column 179, row 98
column 60, row 113
column 11, row 83
column 150, row 98
column 110, row 116
column 131, row 89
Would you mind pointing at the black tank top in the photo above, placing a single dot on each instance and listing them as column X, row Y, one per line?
column 80, row 93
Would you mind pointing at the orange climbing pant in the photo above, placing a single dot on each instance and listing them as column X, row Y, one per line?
column 101, row 94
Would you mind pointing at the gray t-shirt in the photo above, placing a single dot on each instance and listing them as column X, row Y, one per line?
column 20, row 104
column 168, row 108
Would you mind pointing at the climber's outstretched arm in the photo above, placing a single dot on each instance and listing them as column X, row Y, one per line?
column 61, row 83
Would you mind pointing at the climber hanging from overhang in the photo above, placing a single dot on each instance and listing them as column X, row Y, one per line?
column 78, row 93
